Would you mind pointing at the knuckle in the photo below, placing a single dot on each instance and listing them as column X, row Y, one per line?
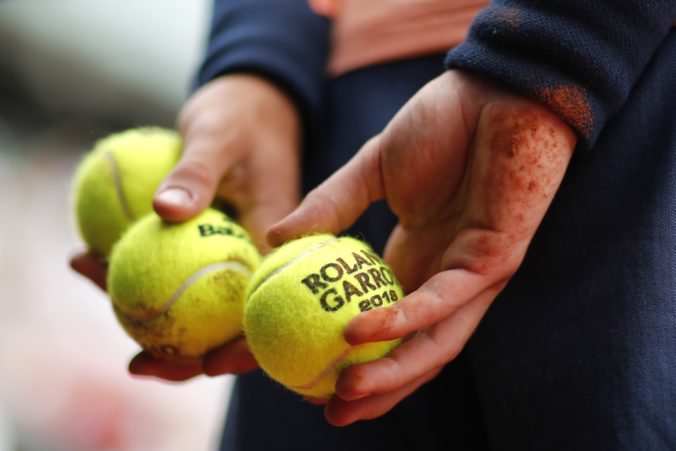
column 352, row 382
column 486, row 252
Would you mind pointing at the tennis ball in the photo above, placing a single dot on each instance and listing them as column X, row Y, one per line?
column 115, row 182
column 178, row 289
column 300, row 300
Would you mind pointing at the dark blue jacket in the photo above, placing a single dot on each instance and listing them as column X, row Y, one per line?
column 579, row 350
column 580, row 57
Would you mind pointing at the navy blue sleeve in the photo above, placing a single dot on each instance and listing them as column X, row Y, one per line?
column 581, row 57
column 282, row 40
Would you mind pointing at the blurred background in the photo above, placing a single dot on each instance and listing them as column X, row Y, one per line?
column 72, row 71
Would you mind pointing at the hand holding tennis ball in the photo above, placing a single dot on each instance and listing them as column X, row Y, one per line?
column 178, row 289
column 300, row 300
column 115, row 182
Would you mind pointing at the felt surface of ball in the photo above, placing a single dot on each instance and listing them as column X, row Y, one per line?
column 115, row 182
column 300, row 300
column 178, row 289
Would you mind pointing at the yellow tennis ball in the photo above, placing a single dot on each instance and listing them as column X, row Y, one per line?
column 178, row 289
column 300, row 300
column 115, row 182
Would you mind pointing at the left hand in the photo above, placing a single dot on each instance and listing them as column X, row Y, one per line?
column 234, row 358
column 241, row 138
column 470, row 170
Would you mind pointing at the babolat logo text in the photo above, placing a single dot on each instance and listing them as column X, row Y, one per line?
column 362, row 278
column 207, row 230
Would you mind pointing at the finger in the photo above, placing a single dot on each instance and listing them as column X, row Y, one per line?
column 271, row 198
column 258, row 219
column 233, row 358
column 144, row 364
column 335, row 204
column 192, row 185
column 436, row 299
column 91, row 266
column 317, row 401
column 340, row 412
column 417, row 356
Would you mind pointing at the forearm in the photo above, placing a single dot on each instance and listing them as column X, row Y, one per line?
column 280, row 40
column 581, row 58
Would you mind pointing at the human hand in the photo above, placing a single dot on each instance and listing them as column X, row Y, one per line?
column 234, row 357
column 241, row 145
column 470, row 171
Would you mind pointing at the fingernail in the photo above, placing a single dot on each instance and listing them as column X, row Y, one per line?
column 174, row 196
column 138, row 366
column 139, row 370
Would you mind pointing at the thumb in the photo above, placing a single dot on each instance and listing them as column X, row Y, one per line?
column 192, row 185
column 339, row 201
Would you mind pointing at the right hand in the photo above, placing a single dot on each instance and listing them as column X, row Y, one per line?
column 242, row 145
column 469, row 169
